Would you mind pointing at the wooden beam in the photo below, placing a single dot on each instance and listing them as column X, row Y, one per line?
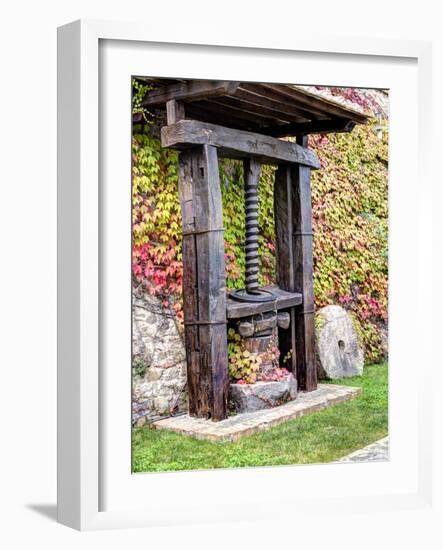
column 214, row 112
column 236, row 143
column 257, row 111
column 269, row 94
column 237, row 309
column 303, row 274
column 293, row 212
column 281, row 109
column 204, row 288
column 190, row 277
column 284, row 231
column 175, row 111
column 191, row 90
column 314, row 127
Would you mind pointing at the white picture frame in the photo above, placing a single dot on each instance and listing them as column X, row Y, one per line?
column 84, row 415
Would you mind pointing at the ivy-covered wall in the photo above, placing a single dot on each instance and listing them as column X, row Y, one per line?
column 350, row 218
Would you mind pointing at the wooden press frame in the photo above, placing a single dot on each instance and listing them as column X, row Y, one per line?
column 204, row 288
column 78, row 365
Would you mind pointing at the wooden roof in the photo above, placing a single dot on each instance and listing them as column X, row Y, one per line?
column 277, row 110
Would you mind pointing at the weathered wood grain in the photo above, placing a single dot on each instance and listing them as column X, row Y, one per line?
column 314, row 127
column 247, row 93
column 273, row 95
column 175, row 111
column 284, row 299
column 212, row 112
column 204, row 288
column 272, row 109
column 190, row 90
column 303, row 274
column 236, row 143
column 190, row 294
column 284, row 230
column 319, row 106
column 251, row 109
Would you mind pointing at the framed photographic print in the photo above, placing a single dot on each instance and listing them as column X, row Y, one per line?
column 235, row 283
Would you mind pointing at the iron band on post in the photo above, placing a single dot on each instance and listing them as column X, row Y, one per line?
column 307, row 312
column 191, row 323
column 201, row 231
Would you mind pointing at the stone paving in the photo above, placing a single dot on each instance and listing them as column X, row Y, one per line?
column 376, row 452
column 243, row 424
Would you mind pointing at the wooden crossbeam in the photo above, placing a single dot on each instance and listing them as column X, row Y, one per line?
column 314, row 127
column 283, row 300
column 236, row 143
column 192, row 90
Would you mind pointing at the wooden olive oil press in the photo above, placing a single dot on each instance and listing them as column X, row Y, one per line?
column 207, row 120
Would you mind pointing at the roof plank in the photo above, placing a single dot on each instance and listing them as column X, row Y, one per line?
column 316, row 104
column 336, row 125
column 190, row 90
column 253, row 93
column 257, row 111
column 273, row 109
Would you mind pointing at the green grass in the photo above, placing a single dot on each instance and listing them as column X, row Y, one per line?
column 320, row 437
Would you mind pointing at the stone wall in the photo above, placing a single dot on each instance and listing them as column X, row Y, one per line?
column 158, row 361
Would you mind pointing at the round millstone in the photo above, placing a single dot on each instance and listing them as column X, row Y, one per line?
column 339, row 353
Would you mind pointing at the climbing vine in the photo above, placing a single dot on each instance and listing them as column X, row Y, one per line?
column 350, row 223
column 350, row 220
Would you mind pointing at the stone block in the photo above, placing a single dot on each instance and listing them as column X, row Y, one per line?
column 262, row 395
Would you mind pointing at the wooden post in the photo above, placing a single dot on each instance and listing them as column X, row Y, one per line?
column 293, row 223
column 204, row 287
column 175, row 111
column 284, row 230
column 303, row 274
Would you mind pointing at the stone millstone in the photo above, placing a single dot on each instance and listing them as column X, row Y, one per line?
column 262, row 395
column 339, row 353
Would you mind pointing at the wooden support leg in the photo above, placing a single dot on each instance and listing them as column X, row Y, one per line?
column 284, row 230
column 204, row 287
column 303, row 274
column 292, row 205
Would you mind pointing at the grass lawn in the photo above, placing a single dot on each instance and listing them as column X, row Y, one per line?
column 320, row 437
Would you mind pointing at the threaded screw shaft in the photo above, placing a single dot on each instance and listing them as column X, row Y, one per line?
column 251, row 176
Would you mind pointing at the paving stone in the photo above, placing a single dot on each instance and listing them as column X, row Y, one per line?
column 375, row 452
column 248, row 423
